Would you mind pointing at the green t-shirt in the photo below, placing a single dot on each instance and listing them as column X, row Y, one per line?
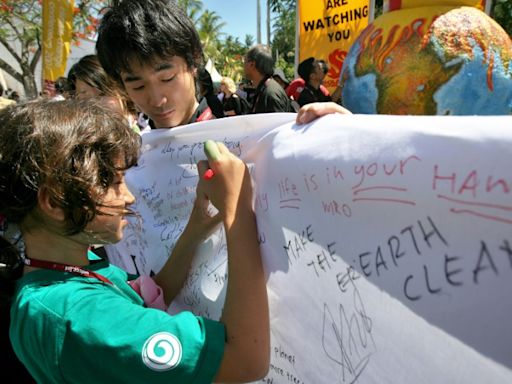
column 71, row 329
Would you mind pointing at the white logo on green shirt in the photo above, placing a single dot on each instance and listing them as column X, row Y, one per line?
column 161, row 351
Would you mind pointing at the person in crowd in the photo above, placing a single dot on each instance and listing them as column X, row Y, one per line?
column 295, row 88
column 336, row 94
column 241, row 92
column 4, row 101
column 62, row 89
column 269, row 95
column 231, row 102
column 77, row 319
column 155, row 61
column 207, row 90
column 87, row 79
column 323, row 66
column 312, row 72
column 280, row 77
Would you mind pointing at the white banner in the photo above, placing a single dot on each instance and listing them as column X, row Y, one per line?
column 387, row 241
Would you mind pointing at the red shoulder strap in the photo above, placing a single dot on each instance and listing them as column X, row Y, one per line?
column 206, row 115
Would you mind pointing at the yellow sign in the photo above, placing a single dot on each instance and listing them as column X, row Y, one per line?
column 57, row 34
column 327, row 30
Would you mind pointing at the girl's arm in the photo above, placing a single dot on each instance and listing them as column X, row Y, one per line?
column 173, row 275
column 245, row 313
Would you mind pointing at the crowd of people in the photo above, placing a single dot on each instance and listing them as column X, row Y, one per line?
column 70, row 315
column 262, row 93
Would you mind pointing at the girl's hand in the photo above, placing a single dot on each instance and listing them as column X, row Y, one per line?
column 230, row 187
column 310, row 112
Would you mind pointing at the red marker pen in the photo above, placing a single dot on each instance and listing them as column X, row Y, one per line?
column 208, row 174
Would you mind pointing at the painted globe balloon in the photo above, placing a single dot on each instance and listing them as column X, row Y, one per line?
column 430, row 61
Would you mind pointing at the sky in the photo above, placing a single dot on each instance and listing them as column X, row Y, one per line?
column 240, row 17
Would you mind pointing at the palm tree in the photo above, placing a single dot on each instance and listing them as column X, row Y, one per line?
column 210, row 29
column 283, row 40
column 278, row 7
column 248, row 41
column 192, row 8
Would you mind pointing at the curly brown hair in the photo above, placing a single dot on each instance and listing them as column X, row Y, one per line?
column 72, row 148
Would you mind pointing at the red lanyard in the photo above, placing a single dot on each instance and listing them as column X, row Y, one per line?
column 65, row 268
column 206, row 115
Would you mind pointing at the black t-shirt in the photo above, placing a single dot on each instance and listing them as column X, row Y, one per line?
column 270, row 97
column 235, row 103
column 215, row 104
column 312, row 95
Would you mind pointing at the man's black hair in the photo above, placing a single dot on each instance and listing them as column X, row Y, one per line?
column 145, row 30
column 305, row 68
column 262, row 57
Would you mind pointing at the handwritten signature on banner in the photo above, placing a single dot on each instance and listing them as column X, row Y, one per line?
column 351, row 327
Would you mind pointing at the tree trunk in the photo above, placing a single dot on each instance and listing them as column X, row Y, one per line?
column 29, row 82
column 27, row 76
column 268, row 24
column 258, row 22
